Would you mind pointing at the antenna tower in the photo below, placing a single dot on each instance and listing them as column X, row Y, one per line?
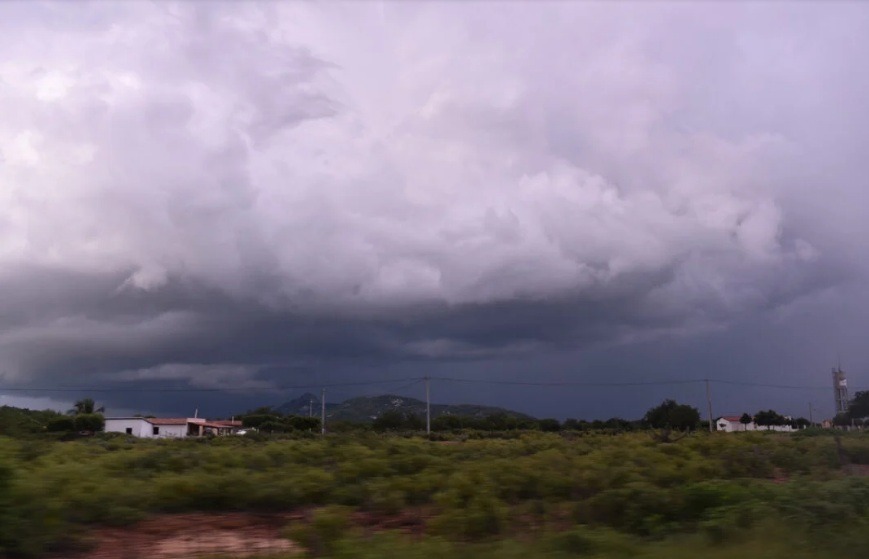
column 840, row 390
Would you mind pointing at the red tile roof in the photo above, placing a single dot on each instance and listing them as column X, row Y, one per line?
column 222, row 423
column 219, row 424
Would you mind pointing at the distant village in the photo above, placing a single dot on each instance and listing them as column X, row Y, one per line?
column 154, row 427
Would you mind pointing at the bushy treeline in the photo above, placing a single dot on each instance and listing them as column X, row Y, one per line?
column 81, row 423
column 19, row 422
column 717, row 486
column 858, row 411
column 396, row 420
column 86, row 418
column 668, row 415
column 267, row 420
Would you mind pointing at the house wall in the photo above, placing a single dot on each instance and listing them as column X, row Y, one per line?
column 140, row 427
column 171, row 431
column 733, row 426
column 737, row 427
column 782, row 428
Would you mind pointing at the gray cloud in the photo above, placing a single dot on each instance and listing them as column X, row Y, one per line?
column 249, row 193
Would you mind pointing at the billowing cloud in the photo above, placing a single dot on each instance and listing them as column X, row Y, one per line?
column 205, row 193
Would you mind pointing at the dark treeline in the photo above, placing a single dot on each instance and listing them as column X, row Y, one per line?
column 267, row 420
column 858, row 411
column 669, row 415
column 85, row 419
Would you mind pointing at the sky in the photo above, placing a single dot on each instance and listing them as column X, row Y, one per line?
column 216, row 206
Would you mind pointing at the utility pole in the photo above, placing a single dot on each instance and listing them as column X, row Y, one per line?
column 323, row 413
column 427, row 407
column 709, row 405
column 311, row 407
column 811, row 419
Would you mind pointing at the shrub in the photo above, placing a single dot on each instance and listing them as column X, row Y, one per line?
column 61, row 424
column 321, row 534
column 91, row 422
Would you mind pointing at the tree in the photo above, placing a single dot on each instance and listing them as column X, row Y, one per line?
column 256, row 421
column 89, row 422
column 452, row 423
column 549, row 425
column 769, row 418
column 575, row 424
column 745, row 420
column 397, row 420
column 672, row 415
column 301, row 423
column 859, row 406
column 618, row 424
column 17, row 422
column 87, row 417
column 61, row 424
column 86, row 406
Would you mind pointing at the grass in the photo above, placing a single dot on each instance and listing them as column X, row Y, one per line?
column 537, row 494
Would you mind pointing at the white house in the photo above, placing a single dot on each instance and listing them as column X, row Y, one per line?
column 731, row 424
column 155, row 427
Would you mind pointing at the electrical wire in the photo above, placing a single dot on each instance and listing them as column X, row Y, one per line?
column 411, row 381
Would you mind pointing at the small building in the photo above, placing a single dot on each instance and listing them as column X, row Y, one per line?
column 160, row 428
column 731, row 424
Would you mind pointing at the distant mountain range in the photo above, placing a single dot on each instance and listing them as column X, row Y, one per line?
column 365, row 409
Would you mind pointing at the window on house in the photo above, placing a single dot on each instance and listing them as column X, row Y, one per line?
column 156, row 431
column 129, row 430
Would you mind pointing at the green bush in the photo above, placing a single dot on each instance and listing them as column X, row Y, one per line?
column 61, row 424
column 91, row 422
column 321, row 534
column 710, row 487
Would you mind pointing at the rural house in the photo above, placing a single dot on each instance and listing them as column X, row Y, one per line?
column 731, row 424
column 155, row 427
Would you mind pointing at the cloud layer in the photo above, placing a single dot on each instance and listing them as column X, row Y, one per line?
column 190, row 192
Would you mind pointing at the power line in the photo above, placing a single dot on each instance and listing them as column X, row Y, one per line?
column 565, row 383
column 68, row 388
column 410, row 381
column 632, row 383
column 410, row 384
column 766, row 385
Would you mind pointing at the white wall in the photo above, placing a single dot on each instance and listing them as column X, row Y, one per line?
column 737, row 427
column 784, row 428
column 171, row 431
column 733, row 426
column 140, row 427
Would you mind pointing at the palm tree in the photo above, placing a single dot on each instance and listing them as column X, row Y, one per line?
column 86, row 406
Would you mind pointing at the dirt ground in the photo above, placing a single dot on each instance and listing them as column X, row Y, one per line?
column 236, row 535
column 185, row 536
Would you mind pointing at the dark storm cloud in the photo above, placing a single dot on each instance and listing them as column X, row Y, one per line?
column 245, row 196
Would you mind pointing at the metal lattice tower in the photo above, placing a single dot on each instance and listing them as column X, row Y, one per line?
column 840, row 390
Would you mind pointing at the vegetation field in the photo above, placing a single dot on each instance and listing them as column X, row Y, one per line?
column 524, row 494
